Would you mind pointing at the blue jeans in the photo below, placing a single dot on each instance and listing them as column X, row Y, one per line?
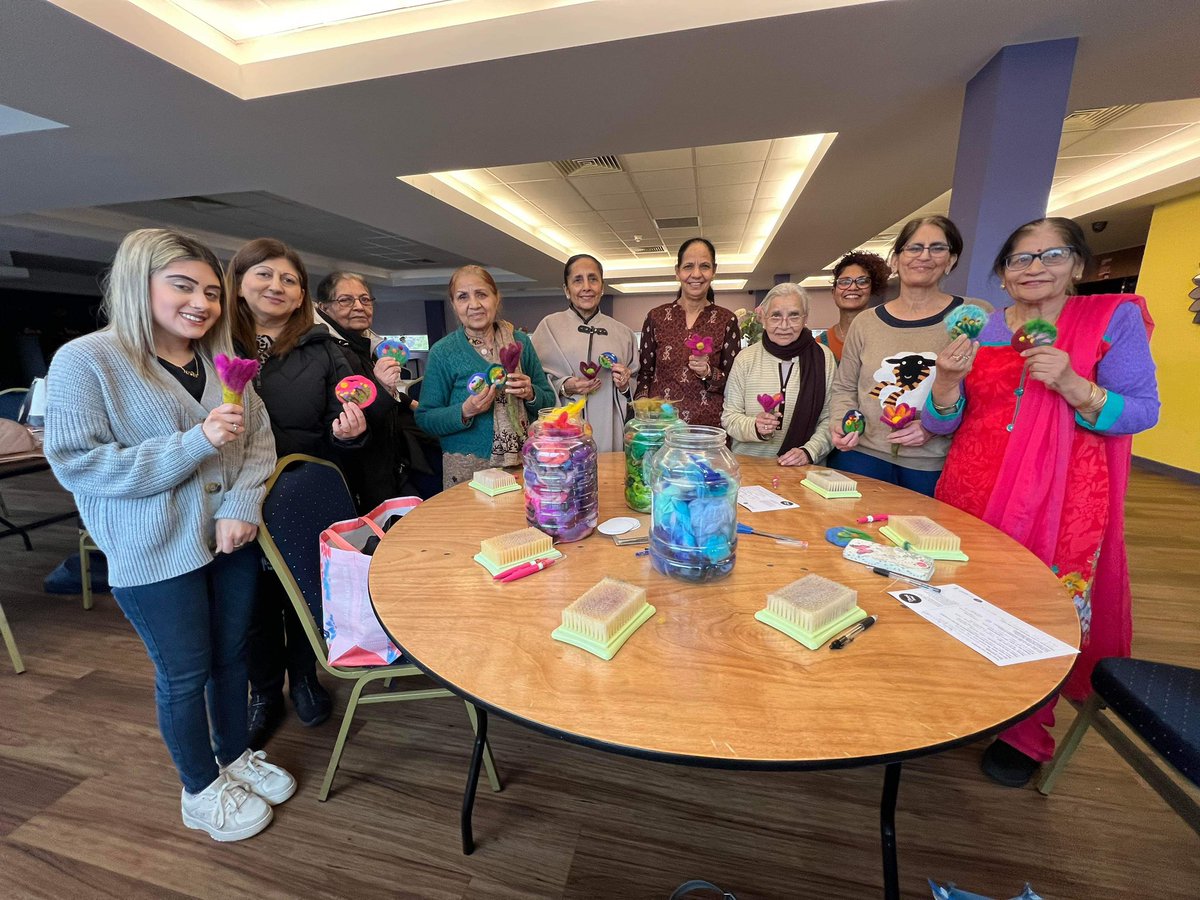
column 864, row 464
column 194, row 627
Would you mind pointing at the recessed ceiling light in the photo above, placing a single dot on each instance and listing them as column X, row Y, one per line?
column 661, row 287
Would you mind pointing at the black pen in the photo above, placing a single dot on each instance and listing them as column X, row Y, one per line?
column 855, row 630
column 899, row 577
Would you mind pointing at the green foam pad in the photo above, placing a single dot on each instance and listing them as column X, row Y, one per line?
column 956, row 555
column 493, row 492
column 606, row 650
column 495, row 570
column 830, row 495
column 812, row 641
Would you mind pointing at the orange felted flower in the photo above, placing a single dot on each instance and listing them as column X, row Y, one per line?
column 896, row 416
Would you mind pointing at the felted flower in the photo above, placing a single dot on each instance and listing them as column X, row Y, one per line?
column 699, row 344
column 235, row 373
column 769, row 401
column 510, row 356
column 589, row 369
column 896, row 416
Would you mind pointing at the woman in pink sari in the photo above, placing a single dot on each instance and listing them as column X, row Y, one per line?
column 1042, row 445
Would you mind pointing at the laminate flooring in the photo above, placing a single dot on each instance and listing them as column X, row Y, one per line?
column 89, row 800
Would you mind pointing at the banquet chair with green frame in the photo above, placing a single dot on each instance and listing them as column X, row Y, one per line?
column 11, row 643
column 304, row 496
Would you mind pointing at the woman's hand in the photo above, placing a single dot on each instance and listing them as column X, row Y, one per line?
column 578, row 386
column 699, row 365
column 844, row 441
column 478, row 403
column 797, row 456
column 621, row 376
column 233, row 535
column 387, row 372
column 955, row 360
column 223, row 424
column 1052, row 367
column 519, row 385
column 767, row 423
column 350, row 424
column 911, row 435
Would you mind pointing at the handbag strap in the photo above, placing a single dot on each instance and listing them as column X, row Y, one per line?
column 333, row 534
column 699, row 884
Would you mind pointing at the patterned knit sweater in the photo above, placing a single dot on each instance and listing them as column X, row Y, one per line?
column 148, row 484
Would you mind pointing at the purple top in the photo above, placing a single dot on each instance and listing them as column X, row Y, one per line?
column 1126, row 371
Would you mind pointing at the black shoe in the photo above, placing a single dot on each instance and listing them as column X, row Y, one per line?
column 265, row 713
column 312, row 701
column 1006, row 765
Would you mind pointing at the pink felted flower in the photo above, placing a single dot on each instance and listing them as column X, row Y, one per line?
column 699, row 344
column 510, row 356
column 896, row 416
column 769, row 401
column 235, row 373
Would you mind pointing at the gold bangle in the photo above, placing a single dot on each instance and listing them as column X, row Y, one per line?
column 1097, row 397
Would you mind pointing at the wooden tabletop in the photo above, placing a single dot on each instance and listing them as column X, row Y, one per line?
column 703, row 682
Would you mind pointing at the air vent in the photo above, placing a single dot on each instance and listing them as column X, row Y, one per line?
column 658, row 248
column 680, row 222
column 589, row 165
column 1091, row 119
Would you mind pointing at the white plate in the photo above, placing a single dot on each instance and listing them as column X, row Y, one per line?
column 619, row 525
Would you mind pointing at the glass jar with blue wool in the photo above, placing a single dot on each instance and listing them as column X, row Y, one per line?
column 694, row 482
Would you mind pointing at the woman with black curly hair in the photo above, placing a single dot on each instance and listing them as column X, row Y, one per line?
column 858, row 278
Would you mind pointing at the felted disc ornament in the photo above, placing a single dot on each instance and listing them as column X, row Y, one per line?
column 496, row 375
column 1034, row 333
column 608, row 359
column 397, row 350
column 355, row 389
column 968, row 319
column 477, row 383
column 854, row 422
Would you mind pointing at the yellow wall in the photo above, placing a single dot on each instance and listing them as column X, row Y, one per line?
column 1172, row 258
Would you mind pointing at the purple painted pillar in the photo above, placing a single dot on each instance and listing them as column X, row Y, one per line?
column 1007, row 147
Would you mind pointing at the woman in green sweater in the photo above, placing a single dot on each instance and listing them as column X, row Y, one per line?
column 483, row 428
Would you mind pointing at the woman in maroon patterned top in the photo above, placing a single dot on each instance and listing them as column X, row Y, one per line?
column 695, row 383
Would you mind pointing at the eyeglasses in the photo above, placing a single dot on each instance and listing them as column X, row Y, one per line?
column 1051, row 258
column 915, row 250
column 345, row 302
column 793, row 318
column 860, row 281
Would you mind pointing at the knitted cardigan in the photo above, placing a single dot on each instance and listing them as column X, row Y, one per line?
column 451, row 363
column 148, row 484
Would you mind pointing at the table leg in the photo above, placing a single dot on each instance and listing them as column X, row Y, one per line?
column 887, row 830
column 468, row 838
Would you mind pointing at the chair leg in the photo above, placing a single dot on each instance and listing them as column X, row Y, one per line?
column 488, row 763
column 1083, row 721
column 387, row 683
column 11, row 643
column 340, row 744
column 85, row 570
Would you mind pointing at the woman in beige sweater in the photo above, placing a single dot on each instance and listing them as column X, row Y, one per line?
column 796, row 372
column 890, row 358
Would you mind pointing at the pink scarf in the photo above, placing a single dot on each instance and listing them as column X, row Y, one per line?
column 1027, row 500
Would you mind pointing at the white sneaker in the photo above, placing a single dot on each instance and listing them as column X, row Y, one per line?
column 252, row 771
column 226, row 810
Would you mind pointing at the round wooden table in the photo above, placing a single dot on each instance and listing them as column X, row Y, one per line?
column 703, row 682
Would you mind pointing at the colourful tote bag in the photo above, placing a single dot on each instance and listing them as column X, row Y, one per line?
column 352, row 630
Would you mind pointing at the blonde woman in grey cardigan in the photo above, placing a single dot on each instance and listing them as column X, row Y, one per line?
column 792, row 369
column 169, row 479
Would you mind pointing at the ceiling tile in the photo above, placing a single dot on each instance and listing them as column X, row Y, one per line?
column 667, row 179
column 581, row 217
column 552, row 196
column 1078, row 165
column 771, row 190
column 674, row 211
column 723, row 234
column 781, row 170
column 1071, row 137
column 723, row 193
column 1118, row 140
column 1170, row 112
column 799, row 147
column 592, row 186
column 617, row 201
column 766, row 206
column 623, row 214
column 659, row 159
column 731, row 208
column 722, row 154
column 542, row 171
column 738, row 173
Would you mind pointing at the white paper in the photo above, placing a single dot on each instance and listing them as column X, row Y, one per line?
column 757, row 498
column 986, row 629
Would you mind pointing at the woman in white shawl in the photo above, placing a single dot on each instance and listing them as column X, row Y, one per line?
column 588, row 354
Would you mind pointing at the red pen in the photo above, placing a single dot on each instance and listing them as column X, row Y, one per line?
column 525, row 569
column 868, row 519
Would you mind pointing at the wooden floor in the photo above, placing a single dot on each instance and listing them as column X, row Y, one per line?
column 89, row 801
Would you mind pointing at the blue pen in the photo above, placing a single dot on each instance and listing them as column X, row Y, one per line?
column 746, row 529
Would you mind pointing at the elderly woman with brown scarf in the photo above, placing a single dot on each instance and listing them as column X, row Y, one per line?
column 777, row 395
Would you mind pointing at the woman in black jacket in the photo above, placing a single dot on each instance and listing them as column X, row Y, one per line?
column 301, row 363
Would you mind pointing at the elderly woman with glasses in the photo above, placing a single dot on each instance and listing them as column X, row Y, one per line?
column 889, row 362
column 777, row 394
column 1042, row 446
column 858, row 278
